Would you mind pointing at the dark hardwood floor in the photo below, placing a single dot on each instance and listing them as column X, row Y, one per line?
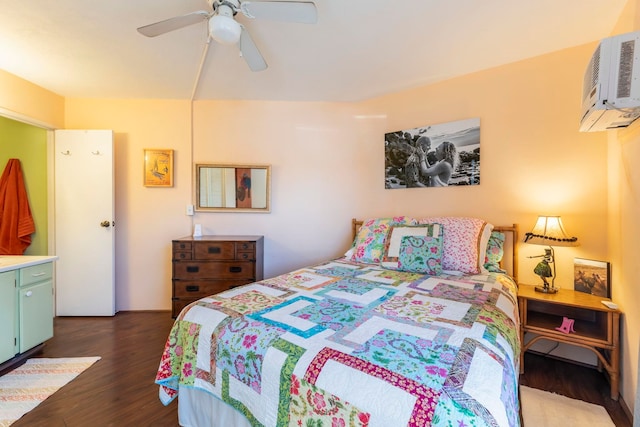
column 571, row 380
column 119, row 389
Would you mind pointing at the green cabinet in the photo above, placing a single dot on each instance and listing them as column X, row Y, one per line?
column 35, row 305
column 8, row 315
column 26, row 309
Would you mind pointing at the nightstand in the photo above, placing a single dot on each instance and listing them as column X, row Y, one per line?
column 596, row 326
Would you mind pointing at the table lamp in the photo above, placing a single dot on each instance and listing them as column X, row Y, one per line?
column 548, row 231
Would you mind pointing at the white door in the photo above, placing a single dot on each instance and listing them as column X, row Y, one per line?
column 84, row 222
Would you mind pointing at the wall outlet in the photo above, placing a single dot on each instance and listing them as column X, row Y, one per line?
column 190, row 210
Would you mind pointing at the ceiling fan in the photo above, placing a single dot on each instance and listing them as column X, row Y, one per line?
column 226, row 30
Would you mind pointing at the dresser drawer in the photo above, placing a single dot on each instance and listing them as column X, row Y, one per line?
column 185, row 289
column 180, row 255
column 214, row 270
column 181, row 246
column 214, row 250
column 36, row 273
column 246, row 255
column 246, row 246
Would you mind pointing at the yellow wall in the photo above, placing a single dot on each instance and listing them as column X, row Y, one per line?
column 624, row 234
column 146, row 218
column 26, row 102
column 23, row 100
column 624, row 231
column 534, row 161
column 29, row 144
column 328, row 166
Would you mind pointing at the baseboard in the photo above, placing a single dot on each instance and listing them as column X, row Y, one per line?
column 145, row 311
column 625, row 409
column 19, row 359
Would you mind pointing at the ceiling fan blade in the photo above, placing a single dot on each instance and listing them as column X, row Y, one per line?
column 174, row 23
column 303, row 12
column 250, row 52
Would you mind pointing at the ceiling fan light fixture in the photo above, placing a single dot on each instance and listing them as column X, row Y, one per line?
column 224, row 29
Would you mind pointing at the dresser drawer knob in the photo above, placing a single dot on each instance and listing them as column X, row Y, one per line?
column 183, row 246
column 245, row 246
column 193, row 269
column 214, row 249
column 193, row 288
column 235, row 269
column 245, row 256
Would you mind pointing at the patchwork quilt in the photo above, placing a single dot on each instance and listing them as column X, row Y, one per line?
column 348, row 344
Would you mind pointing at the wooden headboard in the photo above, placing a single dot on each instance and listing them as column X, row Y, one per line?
column 510, row 259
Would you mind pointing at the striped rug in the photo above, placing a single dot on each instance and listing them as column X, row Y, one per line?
column 25, row 387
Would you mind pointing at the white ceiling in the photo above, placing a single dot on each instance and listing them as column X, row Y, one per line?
column 358, row 49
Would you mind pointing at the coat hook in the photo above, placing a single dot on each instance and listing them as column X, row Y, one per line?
column 66, row 153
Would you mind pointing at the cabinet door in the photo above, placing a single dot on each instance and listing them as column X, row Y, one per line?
column 7, row 315
column 36, row 315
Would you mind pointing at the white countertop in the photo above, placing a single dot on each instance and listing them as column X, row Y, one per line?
column 13, row 262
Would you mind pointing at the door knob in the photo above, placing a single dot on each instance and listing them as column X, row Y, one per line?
column 105, row 224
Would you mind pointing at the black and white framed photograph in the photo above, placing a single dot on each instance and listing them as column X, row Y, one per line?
column 436, row 155
column 592, row 277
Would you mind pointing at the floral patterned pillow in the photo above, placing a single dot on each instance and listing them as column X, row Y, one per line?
column 421, row 254
column 368, row 246
column 464, row 243
column 495, row 252
column 394, row 241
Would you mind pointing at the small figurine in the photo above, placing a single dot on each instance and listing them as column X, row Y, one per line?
column 567, row 326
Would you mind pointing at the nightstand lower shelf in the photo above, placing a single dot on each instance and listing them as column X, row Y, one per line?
column 595, row 327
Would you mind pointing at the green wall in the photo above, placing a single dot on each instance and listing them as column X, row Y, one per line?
column 29, row 144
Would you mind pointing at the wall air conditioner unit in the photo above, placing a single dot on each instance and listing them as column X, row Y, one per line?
column 611, row 92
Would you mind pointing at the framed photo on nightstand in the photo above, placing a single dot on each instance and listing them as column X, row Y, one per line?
column 592, row 277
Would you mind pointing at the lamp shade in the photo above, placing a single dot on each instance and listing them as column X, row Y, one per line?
column 224, row 29
column 549, row 231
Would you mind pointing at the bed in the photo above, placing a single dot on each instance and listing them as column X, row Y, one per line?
column 416, row 325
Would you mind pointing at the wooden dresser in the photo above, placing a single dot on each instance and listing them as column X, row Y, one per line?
column 206, row 265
